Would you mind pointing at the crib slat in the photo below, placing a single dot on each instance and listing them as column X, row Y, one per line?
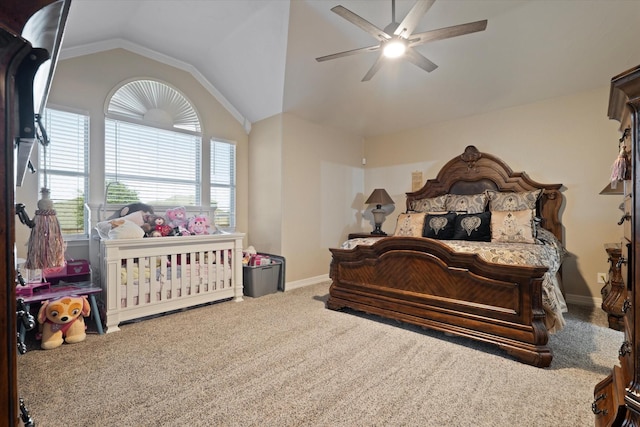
column 211, row 264
column 153, row 281
column 186, row 284
column 175, row 268
column 163, row 277
column 201, row 269
column 143, row 284
column 130, row 285
column 220, row 268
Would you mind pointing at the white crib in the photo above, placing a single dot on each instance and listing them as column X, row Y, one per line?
column 149, row 276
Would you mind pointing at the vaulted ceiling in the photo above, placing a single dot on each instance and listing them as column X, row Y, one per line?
column 260, row 54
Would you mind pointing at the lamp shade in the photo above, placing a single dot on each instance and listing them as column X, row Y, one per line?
column 379, row 197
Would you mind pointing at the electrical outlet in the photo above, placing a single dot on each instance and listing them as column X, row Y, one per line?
column 602, row 278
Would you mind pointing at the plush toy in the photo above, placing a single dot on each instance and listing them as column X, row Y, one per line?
column 247, row 254
column 62, row 320
column 132, row 208
column 156, row 227
column 199, row 224
column 177, row 220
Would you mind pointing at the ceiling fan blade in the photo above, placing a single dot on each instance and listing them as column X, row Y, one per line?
column 410, row 21
column 416, row 58
column 361, row 22
column 348, row 53
column 448, row 32
column 374, row 68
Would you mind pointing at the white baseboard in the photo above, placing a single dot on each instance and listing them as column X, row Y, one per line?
column 584, row 301
column 306, row 282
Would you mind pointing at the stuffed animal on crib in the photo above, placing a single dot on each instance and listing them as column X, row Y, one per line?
column 199, row 225
column 62, row 320
column 156, row 227
column 132, row 208
column 177, row 220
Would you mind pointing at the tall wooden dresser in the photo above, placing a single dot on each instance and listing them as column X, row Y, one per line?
column 26, row 27
column 617, row 397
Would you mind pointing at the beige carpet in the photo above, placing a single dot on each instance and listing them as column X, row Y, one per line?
column 286, row 360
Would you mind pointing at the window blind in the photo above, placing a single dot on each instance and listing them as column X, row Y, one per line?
column 64, row 168
column 223, row 183
column 151, row 165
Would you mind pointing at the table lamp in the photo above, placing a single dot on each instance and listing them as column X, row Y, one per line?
column 379, row 197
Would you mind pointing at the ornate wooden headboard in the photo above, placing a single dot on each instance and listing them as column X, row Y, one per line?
column 473, row 172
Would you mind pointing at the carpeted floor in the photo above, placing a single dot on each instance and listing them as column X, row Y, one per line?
column 285, row 360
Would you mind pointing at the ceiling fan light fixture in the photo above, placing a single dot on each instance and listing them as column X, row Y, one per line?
column 395, row 48
column 397, row 40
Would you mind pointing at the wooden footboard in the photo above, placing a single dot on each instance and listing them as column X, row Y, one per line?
column 423, row 282
column 149, row 276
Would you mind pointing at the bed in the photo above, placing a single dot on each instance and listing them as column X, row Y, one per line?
column 485, row 291
column 148, row 276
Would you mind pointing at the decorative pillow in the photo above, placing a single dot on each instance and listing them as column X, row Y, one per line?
column 506, row 201
column 137, row 217
column 476, row 227
column 109, row 229
column 439, row 226
column 410, row 224
column 468, row 203
column 512, row 226
column 431, row 204
column 124, row 229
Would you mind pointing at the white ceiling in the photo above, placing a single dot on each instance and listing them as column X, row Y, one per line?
column 260, row 54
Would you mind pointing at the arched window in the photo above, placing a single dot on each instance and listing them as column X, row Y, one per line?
column 152, row 146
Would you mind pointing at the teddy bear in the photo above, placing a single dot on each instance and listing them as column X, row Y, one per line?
column 177, row 220
column 199, row 224
column 62, row 320
column 156, row 226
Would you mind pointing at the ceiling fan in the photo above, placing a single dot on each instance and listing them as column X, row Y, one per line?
column 398, row 40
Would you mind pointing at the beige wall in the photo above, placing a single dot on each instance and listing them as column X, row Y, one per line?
column 566, row 140
column 301, row 187
column 84, row 84
column 321, row 192
column 265, row 185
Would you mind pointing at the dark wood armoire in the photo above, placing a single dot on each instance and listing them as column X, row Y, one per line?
column 617, row 397
column 30, row 37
